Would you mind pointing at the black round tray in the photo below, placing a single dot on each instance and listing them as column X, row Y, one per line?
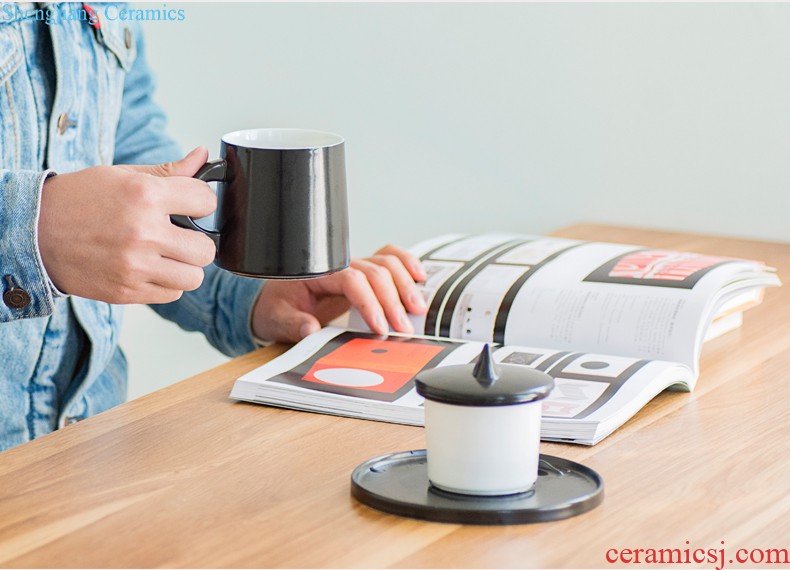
column 398, row 484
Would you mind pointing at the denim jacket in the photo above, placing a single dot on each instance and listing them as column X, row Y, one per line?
column 74, row 95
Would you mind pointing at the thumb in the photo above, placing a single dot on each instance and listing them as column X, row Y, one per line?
column 308, row 324
column 281, row 321
column 297, row 325
column 186, row 166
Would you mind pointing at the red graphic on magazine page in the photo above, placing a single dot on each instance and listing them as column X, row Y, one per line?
column 657, row 268
column 369, row 366
column 372, row 364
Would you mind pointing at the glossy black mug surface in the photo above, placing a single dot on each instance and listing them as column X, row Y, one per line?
column 282, row 209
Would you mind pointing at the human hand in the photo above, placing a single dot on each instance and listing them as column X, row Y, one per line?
column 105, row 233
column 381, row 287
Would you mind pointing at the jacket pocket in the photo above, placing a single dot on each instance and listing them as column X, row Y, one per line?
column 10, row 53
column 117, row 36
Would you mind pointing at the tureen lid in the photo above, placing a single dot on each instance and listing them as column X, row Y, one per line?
column 484, row 383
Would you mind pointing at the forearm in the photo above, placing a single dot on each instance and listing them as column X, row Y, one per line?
column 220, row 308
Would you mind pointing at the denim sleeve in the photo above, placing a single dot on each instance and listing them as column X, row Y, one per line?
column 141, row 137
column 221, row 308
column 20, row 261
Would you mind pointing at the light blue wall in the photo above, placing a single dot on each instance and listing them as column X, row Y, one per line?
column 471, row 117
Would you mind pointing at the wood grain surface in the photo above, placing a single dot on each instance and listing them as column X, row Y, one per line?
column 184, row 477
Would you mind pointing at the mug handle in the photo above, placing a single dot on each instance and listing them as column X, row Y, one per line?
column 212, row 171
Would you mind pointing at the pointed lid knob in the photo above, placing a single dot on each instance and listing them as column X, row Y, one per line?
column 485, row 369
column 484, row 383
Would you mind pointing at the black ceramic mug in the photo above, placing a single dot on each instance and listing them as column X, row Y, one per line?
column 282, row 211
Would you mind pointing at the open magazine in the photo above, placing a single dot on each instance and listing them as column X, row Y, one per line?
column 613, row 324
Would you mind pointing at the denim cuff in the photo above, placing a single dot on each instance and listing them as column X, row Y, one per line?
column 256, row 340
column 26, row 288
column 240, row 295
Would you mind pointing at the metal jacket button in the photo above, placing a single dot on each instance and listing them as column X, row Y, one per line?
column 16, row 298
column 64, row 123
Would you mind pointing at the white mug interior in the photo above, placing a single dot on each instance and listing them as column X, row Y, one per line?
column 282, row 139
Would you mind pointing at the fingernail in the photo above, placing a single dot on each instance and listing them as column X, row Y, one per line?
column 420, row 271
column 417, row 300
column 306, row 330
column 382, row 326
column 404, row 321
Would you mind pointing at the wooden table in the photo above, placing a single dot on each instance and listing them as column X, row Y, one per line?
column 184, row 477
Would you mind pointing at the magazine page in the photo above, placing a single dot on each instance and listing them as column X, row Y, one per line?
column 573, row 295
column 363, row 375
column 354, row 374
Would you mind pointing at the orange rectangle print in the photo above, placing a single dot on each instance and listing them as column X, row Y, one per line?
column 372, row 364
